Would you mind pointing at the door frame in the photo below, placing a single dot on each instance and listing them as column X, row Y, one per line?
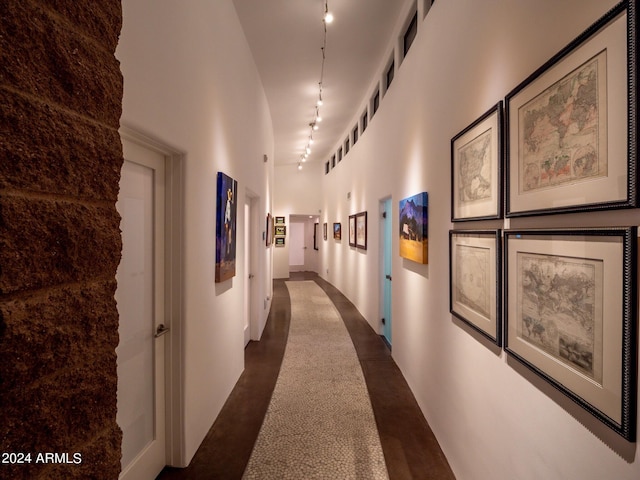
column 173, row 291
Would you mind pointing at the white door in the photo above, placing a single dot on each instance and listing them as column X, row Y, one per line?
column 296, row 246
column 248, row 270
column 140, row 297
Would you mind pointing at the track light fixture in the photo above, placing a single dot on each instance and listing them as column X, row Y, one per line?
column 327, row 18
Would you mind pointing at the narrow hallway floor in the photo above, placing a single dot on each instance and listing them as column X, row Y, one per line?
column 409, row 446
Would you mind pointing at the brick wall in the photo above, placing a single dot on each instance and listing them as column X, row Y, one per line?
column 60, row 160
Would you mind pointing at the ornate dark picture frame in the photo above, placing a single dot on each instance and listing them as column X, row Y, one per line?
column 361, row 230
column 475, row 280
column 571, row 316
column 571, row 141
column 352, row 230
column 477, row 156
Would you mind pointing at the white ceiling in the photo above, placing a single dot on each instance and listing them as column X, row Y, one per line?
column 286, row 38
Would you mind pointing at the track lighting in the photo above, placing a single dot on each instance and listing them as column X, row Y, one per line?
column 327, row 18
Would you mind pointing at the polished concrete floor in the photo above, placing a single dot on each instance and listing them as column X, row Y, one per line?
column 409, row 446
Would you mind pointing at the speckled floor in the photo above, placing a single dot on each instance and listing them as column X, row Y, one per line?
column 411, row 450
column 320, row 422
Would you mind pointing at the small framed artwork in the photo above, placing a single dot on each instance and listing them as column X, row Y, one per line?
column 279, row 241
column 269, row 230
column 414, row 228
column 570, row 316
column 476, row 168
column 324, row 230
column 280, row 230
column 475, row 267
column 572, row 128
column 226, row 208
column 352, row 230
column 361, row 230
column 315, row 235
column 337, row 231
column 279, row 221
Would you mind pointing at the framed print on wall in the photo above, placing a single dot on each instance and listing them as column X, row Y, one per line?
column 226, row 208
column 324, row 230
column 570, row 316
column 572, row 131
column 279, row 221
column 476, row 168
column 280, row 230
column 279, row 241
column 475, row 276
column 361, row 230
column 337, row 231
column 352, row 230
column 414, row 228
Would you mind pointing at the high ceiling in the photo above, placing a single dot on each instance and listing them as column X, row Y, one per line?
column 286, row 38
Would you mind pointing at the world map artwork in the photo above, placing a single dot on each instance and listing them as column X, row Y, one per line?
column 561, row 130
column 559, row 313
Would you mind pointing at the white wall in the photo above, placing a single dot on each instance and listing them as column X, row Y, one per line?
column 190, row 82
column 492, row 418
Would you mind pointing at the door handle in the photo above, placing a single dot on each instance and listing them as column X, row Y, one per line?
column 388, row 277
column 251, row 275
column 161, row 330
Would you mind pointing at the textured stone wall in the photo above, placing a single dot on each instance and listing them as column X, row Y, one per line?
column 60, row 160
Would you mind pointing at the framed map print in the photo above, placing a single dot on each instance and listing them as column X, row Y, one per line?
column 572, row 131
column 361, row 230
column 476, row 168
column 570, row 315
column 475, row 280
column 352, row 230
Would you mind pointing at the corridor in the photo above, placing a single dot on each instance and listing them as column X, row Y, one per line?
column 409, row 447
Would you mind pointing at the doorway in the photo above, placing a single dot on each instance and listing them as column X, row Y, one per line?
column 251, row 226
column 386, row 266
column 297, row 246
column 140, row 296
column 305, row 237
